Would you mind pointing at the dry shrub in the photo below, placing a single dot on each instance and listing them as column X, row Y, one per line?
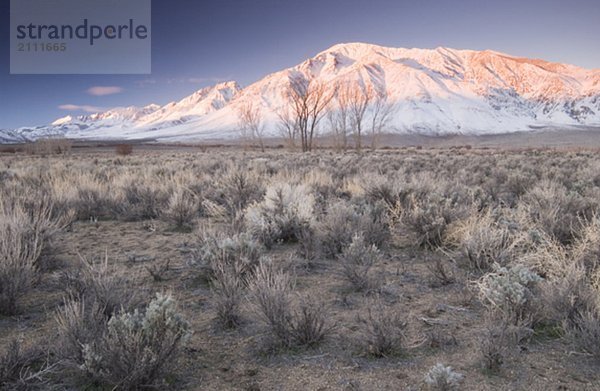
column 94, row 200
column 556, row 210
column 496, row 342
column 443, row 378
column 441, row 274
column 510, row 293
column 239, row 189
column 78, row 324
column 309, row 242
column 271, row 291
column 36, row 210
column 24, row 368
column 140, row 201
column 95, row 292
column 547, row 256
column 285, row 210
column 238, row 254
column 357, row 262
column 123, row 149
column 568, row 296
column 337, row 228
column 228, row 291
column 101, row 284
column 49, row 146
column 290, row 324
column 428, row 217
column 322, row 184
column 484, row 241
column 584, row 331
column 379, row 188
column 20, row 248
column 132, row 349
column 382, row 331
column 182, row 209
column 586, row 247
column 27, row 226
column 344, row 220
column 309, row 326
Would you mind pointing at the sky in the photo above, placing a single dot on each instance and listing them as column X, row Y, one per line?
column 199, row 43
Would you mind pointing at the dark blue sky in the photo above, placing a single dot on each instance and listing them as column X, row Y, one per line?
column 198, row 43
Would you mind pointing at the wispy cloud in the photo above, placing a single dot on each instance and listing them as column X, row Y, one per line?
column 104, row 90
column 145, row 82
column 207, row 79
column 86, row 108
column 197, row 80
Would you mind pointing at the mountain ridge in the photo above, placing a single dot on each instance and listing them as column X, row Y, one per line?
column 433, row 91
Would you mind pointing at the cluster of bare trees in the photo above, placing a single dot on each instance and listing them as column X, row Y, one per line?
column 359, row 110
column 353, row 110
column 309, row 102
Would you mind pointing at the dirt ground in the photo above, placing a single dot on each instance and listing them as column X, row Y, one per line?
column 443, row 321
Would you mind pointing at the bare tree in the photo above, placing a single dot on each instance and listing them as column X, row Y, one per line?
column 339, row 117
column 251, row 123
column 381, row 113
column 287, row 126
column 309, row 101
column 359, row 97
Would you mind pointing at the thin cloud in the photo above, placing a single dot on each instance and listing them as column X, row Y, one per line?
column 86, row 108
column 104, row 90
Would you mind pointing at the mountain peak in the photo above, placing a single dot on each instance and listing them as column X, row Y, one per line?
column 62, row 121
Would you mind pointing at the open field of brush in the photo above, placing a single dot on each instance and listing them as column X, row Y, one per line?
column 224, row 269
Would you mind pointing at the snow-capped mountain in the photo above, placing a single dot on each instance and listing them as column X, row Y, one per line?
column 437, row 91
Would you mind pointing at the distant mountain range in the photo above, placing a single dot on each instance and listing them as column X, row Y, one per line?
column 433, row 92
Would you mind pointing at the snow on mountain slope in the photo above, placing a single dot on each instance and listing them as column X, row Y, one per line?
column 438, row 91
